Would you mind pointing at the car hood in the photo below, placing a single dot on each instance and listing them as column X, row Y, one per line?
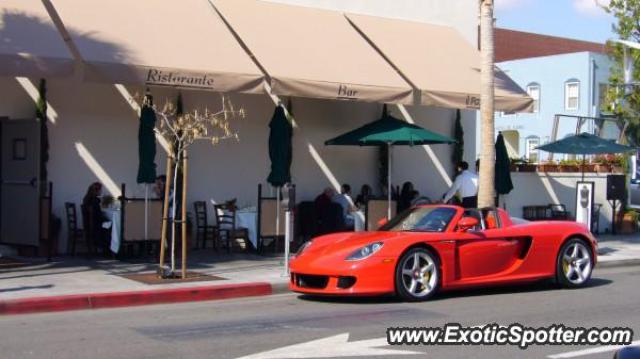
column 346, row 243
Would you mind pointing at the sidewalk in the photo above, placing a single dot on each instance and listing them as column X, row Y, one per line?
column 618, row 250
column 78, row 283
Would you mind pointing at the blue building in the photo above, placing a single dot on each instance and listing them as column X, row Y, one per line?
column 568, row 90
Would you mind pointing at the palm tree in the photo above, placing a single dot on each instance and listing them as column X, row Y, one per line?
column 486, row 191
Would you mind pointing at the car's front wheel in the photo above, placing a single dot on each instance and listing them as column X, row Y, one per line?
column 574, row 264
column 417, row 275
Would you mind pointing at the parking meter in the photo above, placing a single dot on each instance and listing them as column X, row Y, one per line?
column 289, row 204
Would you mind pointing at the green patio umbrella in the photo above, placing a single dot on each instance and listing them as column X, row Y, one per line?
column 280, row 154
column 280, row 148
column 389, row 131
column 146, row 145
column 146, row 152
column 503, row 183
column 585, row 144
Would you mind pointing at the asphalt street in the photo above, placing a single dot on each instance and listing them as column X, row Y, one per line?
column 242, row 327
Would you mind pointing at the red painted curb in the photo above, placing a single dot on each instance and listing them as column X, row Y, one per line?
column 134, row 298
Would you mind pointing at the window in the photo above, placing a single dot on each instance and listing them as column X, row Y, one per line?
column 531, row 145
column 571, row 95
column 534, row 92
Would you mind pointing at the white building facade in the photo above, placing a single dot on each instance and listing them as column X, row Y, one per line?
column 93, row 129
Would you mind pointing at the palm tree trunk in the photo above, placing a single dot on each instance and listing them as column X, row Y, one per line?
column 486, row 190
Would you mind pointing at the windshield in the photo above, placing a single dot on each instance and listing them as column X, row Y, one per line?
column 421, row 219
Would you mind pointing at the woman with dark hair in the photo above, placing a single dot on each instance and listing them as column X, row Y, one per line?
column 364, row 196
column 406, row 196
column 92, row 215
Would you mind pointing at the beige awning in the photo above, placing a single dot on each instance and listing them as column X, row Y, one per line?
column 313, row 53
column 167, row 43
column 439, row 62
column 30, row 44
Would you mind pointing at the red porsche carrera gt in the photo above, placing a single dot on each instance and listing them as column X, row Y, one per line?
column 433, row 247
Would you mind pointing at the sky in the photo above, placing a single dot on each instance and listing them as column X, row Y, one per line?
column 576, row 19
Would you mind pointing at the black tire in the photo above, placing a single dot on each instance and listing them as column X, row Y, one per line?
column 433, row 279
column 573, row 270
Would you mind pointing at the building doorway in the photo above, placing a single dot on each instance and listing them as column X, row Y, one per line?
column 20, row 182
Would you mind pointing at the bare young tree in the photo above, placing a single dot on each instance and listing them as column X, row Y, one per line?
column 181, row 130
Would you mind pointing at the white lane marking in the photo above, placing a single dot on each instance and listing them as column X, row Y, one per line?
column 579, row 353
column 331, row 347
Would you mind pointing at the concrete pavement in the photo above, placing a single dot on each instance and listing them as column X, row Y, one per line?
column 248, row 326
column 78, row 283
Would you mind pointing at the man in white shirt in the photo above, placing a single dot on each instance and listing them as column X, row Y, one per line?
column 467, row 185
column 344, row 200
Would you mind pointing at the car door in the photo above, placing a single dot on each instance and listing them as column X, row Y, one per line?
column 486, row 252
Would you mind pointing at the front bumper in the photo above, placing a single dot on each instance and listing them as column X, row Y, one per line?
column 371, row 276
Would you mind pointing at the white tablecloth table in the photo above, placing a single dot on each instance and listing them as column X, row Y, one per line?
column 114, row 217
column 249, row 220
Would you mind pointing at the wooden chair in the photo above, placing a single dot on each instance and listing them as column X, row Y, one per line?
column 376, row 210
column 204, row 231
column 74, row 232
column 558, row 212
column 267, row 220
column 595, row 218
column 227, row 229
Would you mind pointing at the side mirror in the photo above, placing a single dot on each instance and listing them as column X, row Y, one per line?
column 382, row 222
column 467, row 223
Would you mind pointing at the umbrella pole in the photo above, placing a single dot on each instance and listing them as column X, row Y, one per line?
column 584, row 160
column 146, row 211
column 277, row 217
column 389, row 181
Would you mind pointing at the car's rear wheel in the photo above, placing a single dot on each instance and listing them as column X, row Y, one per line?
column 574, row 264
column 417, row 275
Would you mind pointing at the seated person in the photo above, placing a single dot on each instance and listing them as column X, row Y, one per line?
column 364, row 196
column 93, row 210
column 407, row 194
column 344, row 200
column 323, row 199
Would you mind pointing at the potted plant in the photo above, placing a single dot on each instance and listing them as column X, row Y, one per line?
column 618, row 163
column 570, row 165
column 602, row 164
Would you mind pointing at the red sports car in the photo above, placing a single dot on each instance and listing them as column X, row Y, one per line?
column 434, row 247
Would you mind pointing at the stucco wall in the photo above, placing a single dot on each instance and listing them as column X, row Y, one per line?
column 533, row 188
column 94, row 138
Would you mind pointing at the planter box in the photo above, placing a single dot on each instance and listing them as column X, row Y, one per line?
column 600, row 168
column 527, row 168
column 628, row 224
column 569, row 168
column 548, row 168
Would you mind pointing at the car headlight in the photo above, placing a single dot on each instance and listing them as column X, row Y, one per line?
column 365, row 251
column 303, row 248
